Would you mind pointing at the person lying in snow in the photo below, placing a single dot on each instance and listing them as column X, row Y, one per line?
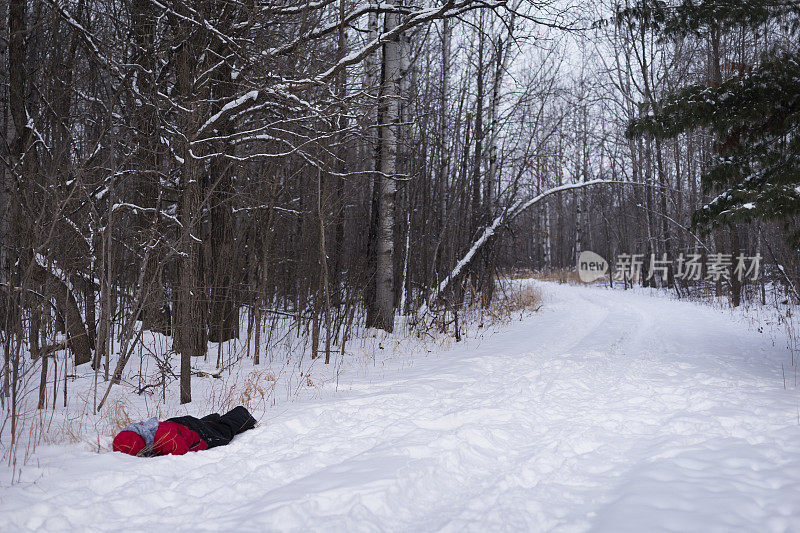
column 182, row 434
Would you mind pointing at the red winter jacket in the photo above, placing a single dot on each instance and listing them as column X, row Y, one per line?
column 170, row 438
column 173, row 438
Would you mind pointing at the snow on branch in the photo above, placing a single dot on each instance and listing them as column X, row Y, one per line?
column 446, row 10
column 136, row 208
column 301, row 7
column 198, row 20
column 253, row 100
column 227, row 108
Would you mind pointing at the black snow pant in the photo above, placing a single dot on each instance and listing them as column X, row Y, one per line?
column 218, row 430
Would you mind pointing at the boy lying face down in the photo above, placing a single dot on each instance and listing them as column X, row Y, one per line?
column 182, row 434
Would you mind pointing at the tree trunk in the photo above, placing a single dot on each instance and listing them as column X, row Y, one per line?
column 477, row 212
column 18, row 136
column 373, row 163
column 736, row 280
column 390, row 107
column 341, row 164
column 147, row 159
column 223, row 269
column 479, row 268
column 223, row 316
column 190, row 331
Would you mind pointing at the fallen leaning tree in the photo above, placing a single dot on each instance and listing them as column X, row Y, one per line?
column 507, row 215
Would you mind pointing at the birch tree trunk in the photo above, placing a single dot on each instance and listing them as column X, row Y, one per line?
column 390, row 113
column 548, row 261
column 579, row 174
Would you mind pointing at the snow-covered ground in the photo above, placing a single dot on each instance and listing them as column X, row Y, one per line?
column 606, row 410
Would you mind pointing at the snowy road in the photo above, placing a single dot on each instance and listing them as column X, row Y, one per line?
column 606, row 410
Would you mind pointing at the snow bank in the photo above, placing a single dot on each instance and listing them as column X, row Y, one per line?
column 607, row 410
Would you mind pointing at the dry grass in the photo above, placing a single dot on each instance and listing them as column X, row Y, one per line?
column 117, row 415
column 560, row 275
column 254, row 391
column 519, row 273
column 257, row 389
column 511, row 301
column 83, row 427
column 526, row 298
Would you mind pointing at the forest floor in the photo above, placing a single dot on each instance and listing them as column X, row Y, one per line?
column 606, row 410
